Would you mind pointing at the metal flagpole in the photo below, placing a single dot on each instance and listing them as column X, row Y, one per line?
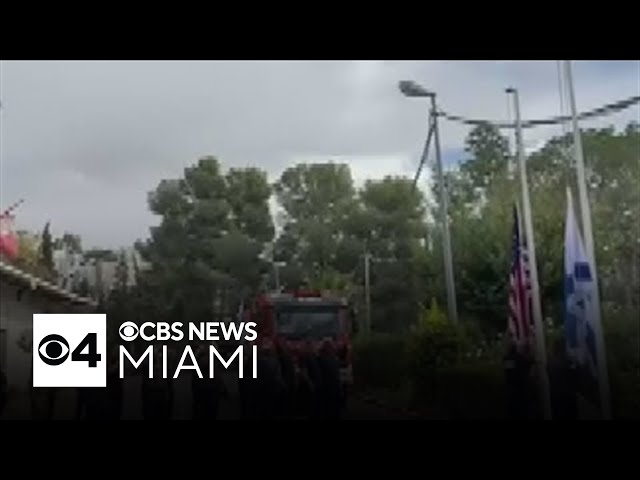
column 533, row 267
column 585, row 211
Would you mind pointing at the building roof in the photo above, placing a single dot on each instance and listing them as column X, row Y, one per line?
column 37, row 283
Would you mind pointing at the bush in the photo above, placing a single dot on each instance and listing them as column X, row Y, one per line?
column 435, row 344
column 455, row 368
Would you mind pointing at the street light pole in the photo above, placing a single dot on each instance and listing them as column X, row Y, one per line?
column 412, row 89
column 533, row 267
column 444, row 215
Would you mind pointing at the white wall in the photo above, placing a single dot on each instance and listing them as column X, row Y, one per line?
column 16, row 318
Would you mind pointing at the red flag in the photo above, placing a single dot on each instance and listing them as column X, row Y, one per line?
column 8, row 239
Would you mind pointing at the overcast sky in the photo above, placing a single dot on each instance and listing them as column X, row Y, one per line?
column 83, row 142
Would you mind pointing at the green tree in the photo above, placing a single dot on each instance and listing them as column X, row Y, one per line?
column 46, row 250
column 205, row 253
column 28, row 251
column 391, row 226
column 122, row 273
column 317, row 200
column 482, row 193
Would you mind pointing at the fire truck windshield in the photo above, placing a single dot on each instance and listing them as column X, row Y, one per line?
column 307, row 322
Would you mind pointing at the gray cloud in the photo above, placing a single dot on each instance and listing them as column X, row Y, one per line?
column 83, row 142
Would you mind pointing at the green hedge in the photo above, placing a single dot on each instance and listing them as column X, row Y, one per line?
column 467, row 390
column 437, row 363
column 460, row 375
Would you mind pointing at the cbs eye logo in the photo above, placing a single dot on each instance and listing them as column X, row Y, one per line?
column 69, row 350
column 54, row 350
column 129, row 331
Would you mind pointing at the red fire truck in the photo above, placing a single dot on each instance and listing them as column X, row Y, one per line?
column 308, row 337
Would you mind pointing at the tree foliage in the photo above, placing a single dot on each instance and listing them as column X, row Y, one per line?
column 46, row 250
column 28, row 251
column 206, row 253
column 317, row 200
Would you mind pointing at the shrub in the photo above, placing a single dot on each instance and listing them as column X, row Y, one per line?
column 435, row 344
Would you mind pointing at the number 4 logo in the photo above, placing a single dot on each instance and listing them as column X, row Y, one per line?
column 90, row 343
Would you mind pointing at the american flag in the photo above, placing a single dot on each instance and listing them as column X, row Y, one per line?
column 520, row 326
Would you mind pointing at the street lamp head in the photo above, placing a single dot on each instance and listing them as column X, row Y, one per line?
column 510, row 90
column 410, row 88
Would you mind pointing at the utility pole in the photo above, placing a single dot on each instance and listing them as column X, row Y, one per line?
column 533, row 267
column 585, row 211
column 412, row 89
column 425, row 152
column 444, row 214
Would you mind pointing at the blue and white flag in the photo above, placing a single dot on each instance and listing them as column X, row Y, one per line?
column 581, row 312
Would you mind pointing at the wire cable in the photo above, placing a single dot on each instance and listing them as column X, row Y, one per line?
column 597, row 112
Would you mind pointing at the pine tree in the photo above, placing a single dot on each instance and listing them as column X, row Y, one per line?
column 122, row 273
column 47, row 250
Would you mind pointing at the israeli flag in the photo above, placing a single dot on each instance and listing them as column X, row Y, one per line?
column 580, row 309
